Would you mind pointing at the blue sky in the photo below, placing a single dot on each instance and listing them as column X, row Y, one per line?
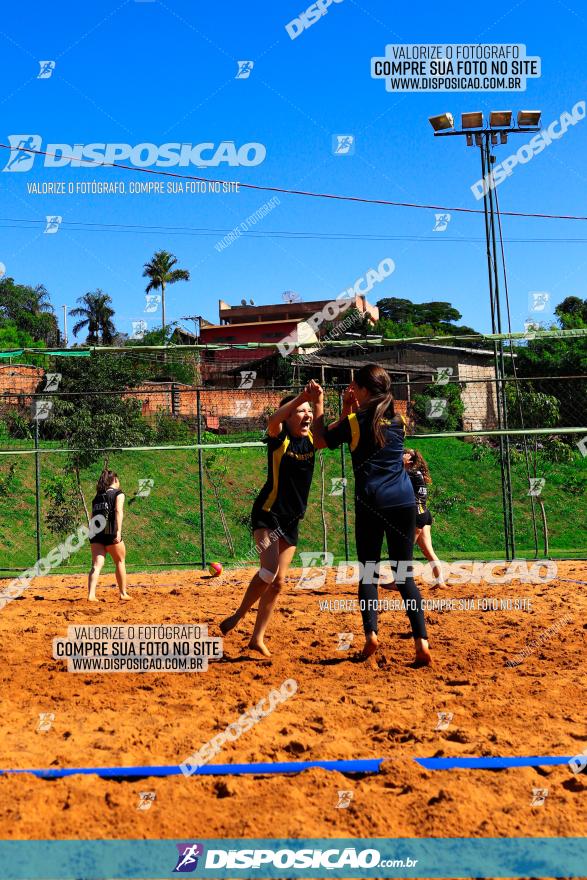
column 160, row 72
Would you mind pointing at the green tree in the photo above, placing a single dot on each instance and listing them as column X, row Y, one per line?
column 96, row 315
column 90, row 412
column 30, row 309
column 160, row 271
column 452, row 417
column 571, row 307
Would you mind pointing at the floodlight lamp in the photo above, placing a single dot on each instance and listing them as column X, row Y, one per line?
column 529, row 118
column 472, row 120
column 442, row 122
column 500, row 118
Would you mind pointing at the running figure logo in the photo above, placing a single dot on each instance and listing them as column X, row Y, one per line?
column 244, row 69
column 53, row 224
column 343, row 144
column 344, row 799
column 146, row 800
column 247, row 378
column 538, row 300
column 444, row 719
column 435, row 408
column 539, row 795
column 443, row 375
column 46, row 71
column 52, row 381
column 46, row 719
column 187, row 861
column 345, row 640
column 139, row 328
column 536, row 486
column 338, row 485
column 20, row 159
column 313, row 574
column 144, row 489
column 41, row 410
column 441, row 222
column 152, row 301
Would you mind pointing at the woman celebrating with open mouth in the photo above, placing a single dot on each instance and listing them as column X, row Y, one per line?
column 280, row 506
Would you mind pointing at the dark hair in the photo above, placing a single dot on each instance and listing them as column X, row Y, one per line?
column 287, row 399
column 377, row 382
column 418, row 463
column 106, row 479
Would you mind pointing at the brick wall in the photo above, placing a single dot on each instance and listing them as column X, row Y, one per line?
column 479, row 398
column 18, row 382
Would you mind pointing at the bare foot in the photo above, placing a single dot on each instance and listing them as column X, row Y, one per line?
column 229, row 623
column 92, row 599
column 260, row 646
column 423, row 655
column 371, row 644
column 124, row 596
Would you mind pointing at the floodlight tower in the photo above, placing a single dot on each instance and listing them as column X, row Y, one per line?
column 475, row 130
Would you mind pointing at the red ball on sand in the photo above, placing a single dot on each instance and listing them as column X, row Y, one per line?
column 215, row 569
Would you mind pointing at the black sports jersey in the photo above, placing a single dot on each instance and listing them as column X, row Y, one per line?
column 290, row 466
column 380, row 477
column 104, row 504
column 420, row 489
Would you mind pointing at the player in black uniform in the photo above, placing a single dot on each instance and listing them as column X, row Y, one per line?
column 419, row 474
column 280, row 506
column 384, row 498
column 109, row 502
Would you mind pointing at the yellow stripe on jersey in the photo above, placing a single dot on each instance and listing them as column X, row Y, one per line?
column 277, row 456
column 355, row 431
column 405, row 423
column 311, row 437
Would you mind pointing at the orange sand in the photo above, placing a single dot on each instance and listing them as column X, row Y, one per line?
column 342, row 709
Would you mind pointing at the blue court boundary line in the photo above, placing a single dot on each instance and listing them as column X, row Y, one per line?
column 360, row 765
column 488, row 763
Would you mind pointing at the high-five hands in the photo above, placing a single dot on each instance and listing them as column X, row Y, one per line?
column 313, row 391
column 349, row 401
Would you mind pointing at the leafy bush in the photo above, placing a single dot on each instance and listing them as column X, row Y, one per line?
column 172, row 429
column 539, row 410
column 18, row 425
column 452, row 419
column 61, row 492
column 556, row 450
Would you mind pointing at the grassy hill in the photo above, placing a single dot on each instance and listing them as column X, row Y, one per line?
column 163, row 530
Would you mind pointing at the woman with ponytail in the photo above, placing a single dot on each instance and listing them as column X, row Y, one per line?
column 384, row 499
column 109, row 503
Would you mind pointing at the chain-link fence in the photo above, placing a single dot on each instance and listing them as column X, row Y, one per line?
column 191, row 461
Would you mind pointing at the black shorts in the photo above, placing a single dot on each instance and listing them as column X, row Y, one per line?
column 264, row 519
column 103, row 538
column 423, row 519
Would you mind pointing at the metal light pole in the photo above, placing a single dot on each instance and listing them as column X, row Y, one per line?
column 475, row 131
column 65, row 326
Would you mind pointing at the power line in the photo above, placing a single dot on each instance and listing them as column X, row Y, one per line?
column 294, row 192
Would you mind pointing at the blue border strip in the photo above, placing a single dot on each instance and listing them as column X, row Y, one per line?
column 490, row 763
column 360, row 765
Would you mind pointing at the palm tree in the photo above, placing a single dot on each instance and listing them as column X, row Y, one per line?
column 97, row 316
column 161, row 272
